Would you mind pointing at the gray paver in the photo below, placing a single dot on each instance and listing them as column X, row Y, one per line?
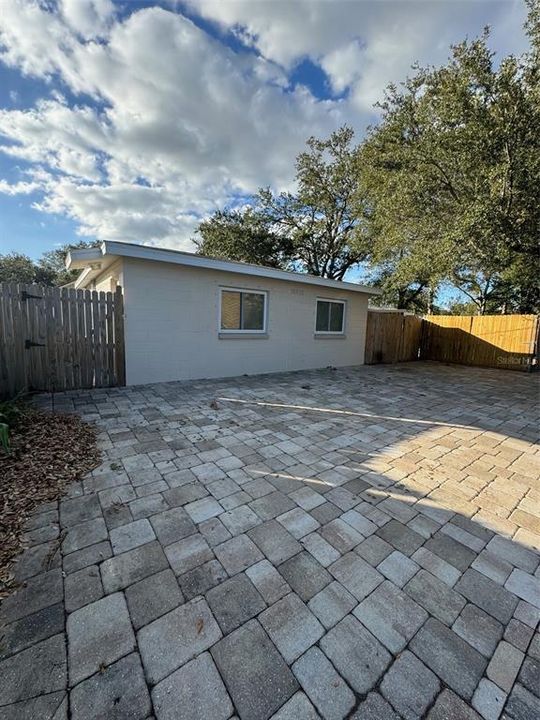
column 84, row 534
column 240, row 520
column 152, row 597
column 177, row 637
column 38, row 670
column 331, row 604
column 82, row 587
column 305, row 575
column 450, row 706
column 98, row 634
column 87, row 556
column 237, row 554
column 45, row 707
column 525, row 586
column 488, row 699
column 391, row 616
column 356, row 575
column 298, row 522
column 504, row 665
column 203, row 577
column 374, row 707
column 31, row 629
column 129, row 536
column 37, row 593
column 291, row 626
column 451, row 550
column 398, row 568
column 188, row 553
column 268, row 581
column 409, row 686
column 234, row 602
column 341, row 535
column 272, row 505
column 118, row 691
column 457, row 664
column 479, row 629
column 522, row 704
column 274, row 541
column 265, row 670
column 214, row 531
column 297, row 708
column 435, row 596
column 326, row 689
column 194, row 692
column 348, row 645
column 401, row 537
column 172, row 525
column 203, row 509
column 487, row 594
column 321, row 550
column 125, row 569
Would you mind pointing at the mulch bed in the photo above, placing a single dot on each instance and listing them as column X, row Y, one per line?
column 47, row 452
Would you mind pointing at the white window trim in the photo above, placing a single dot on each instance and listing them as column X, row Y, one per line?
column 344, row 322
column 264, row 293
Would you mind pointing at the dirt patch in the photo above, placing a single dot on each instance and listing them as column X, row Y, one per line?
column 48, row 451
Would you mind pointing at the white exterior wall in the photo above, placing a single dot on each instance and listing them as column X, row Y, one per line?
column 171, row 325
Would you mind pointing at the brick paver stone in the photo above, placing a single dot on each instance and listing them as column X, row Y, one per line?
column 504, row 665
column 522, row 704
column 38, row 670
column 435, row 596
column 479, row 629
column 326, row 689
column 356, row 575
column 256, row 676
column 194, row 692
column 391, row 616
column 98, row 634
column 274, row 541
column 234, row 602
column 450, row 706
column 237, row 554
column 291, row 626
column 488, row 699
column 152, row 597
column 172, row 525
column 458, row 664
column 270, row 584
column 297, row 708
column 117, row 691
column 129, row 536
column 305, row 575
column 125, row 569
column 488, row 595
column 356, row 654
column 410, row 686
column 331, row 604
column 375, row 708
column 177, row 637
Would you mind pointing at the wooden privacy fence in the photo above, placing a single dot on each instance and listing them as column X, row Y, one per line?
column 392, row 337
column 503, row 341
column 59, row 339
column 500, row 341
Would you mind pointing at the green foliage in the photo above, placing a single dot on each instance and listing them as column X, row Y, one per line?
column 243, row 236
column 453, row 175
column 48, row 270
column 319, row 229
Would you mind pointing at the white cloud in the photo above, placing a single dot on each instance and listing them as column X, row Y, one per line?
column 170, row 123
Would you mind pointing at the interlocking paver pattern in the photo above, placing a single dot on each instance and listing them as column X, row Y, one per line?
column 356, row 543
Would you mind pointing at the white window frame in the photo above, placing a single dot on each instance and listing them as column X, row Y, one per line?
column 251, row 291
column 344, row 321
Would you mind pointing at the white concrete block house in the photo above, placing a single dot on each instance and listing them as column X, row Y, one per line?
column 188, row 316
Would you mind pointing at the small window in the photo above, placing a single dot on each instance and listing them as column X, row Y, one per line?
column 330, row 316
column 242, row 311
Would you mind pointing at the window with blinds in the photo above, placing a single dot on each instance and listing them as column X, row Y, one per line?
column 242, row 311
column 330, row 316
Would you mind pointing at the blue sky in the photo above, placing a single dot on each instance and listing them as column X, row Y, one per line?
column 133, row 121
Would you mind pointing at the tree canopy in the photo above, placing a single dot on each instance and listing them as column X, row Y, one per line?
column 49, row 270
column 444, row 189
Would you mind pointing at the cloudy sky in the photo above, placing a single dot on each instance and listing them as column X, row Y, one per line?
column 131, row 120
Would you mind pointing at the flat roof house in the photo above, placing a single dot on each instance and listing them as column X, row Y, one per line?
column 188, row 316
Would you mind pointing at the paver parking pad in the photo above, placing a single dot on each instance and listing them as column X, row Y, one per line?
column 345, row 543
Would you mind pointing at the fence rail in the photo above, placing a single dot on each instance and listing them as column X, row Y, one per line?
column 501, row 341
column 55, row 339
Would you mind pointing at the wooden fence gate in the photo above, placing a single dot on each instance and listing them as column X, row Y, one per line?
column 55, row 339
column 392, row 337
